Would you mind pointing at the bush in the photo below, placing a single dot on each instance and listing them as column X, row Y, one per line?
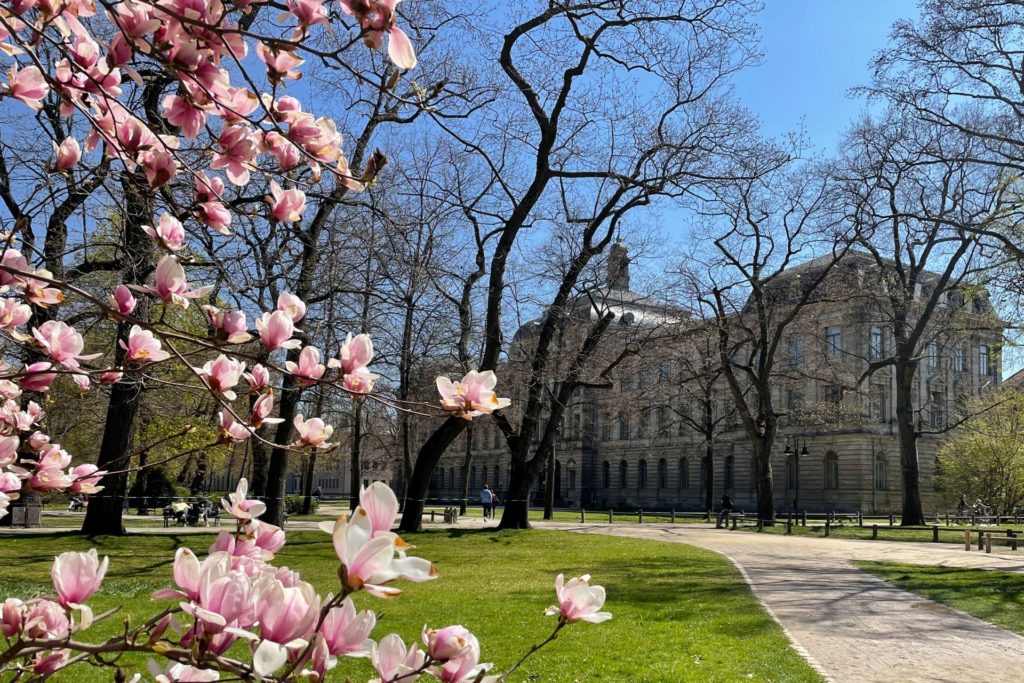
column 293, row 504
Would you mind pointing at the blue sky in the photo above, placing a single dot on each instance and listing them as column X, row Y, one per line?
column 814, row 52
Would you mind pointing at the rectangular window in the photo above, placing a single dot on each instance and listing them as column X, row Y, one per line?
column 958, row 358
column 833, row 394
column 879, row 409
column 796, row 351
column 933, row 354
column 876, row 343
column 833, row 341
column 606, row 427
column 623, row 427
column 938, row 410
column 662, row 421
column 983, row 361
column 795, row 399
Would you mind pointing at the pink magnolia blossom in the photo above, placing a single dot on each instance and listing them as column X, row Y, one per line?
column 176, row 672
column 159, row 165
column 13, row 260
column 287, row 616
column 46, row 663
column 50, row 479
column 68, row 153
column 308, row 13
column 292, row 305
column 224, row 600
column 168, row 233
column 238, row 149
column 239, row 507
column 281, row 63
column 578, row 600
column 269, row 538
column 52, row 455
column 143, row 347
column 8, row 449
column 286, row 206
column 262, row 407
column 9, row 483
column 5, row 502
column 180, row 112
column 446, row 643
column 373, row 560
column 12, row 617
column 27, row 85
column 87, row 477
column 215, row 216
column 346, row 633
column 111, row 376
column 170, row 285
column 472, row 396
column 380, row 504
column 313, row 432
column 62, row 343
column 355, row 353
column 276, row 330
column 309, row 369
column 282, row 149
column 232, row 431
column 76, row 576
column 231, row 326
column 393, row 661
column 37, row 291
column 208, row 189
column 377, row 17
column 258, row 378
column 222, row 374
column 465, row 666
column 36, row 378
column 122, row 300
column 13, row 313
column 46, row 619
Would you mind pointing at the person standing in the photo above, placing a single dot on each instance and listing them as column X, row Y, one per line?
column 723, row 512
column 486, row 499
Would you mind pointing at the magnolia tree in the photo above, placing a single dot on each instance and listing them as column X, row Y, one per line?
column 235, row 613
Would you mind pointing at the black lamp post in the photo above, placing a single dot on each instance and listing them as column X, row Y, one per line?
column 803, row 452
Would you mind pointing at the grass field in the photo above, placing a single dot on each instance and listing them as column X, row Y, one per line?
column 996, row 597
column 681, row 614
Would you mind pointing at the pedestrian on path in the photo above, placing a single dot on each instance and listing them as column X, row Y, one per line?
column 723, row 511
column 487, row 500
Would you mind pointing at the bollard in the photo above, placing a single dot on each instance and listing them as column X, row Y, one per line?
column 828, row 526
column 860, row 518
column 967, row 541
column 640, row 516
column 583, row 516
column 789, row 523
column 988, row 542
column 874, row 531
column 892, row 519
column 1010, row 533
column 609, row 516
column 673, row 516
column 432, row 515
column 935, row 534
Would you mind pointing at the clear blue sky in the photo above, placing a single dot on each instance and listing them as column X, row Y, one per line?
column 814, row 52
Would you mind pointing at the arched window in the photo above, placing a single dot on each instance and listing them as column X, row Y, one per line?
column 662, row 473
column 623, row 474
column 729, row 474
column 881, row 472
column 831, row 470
column 485, row 482
column 606, row 474
column 791, row 471
column 472, row 478
column 440, row 477
column 452, row 484
column 684, row 473
column 642, row 474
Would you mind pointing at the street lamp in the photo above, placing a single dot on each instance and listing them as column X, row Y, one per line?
column 803, row 452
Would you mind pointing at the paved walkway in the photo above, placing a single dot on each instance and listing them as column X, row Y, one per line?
column 852, row 626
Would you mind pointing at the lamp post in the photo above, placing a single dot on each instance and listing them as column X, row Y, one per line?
column 803, row 452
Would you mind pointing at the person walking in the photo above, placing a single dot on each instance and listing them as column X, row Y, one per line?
column 723, row 511
column 487, row 500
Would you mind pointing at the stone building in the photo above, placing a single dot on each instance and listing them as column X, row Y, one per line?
column 633, row 444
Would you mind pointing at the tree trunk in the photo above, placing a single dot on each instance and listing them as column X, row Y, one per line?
column 307, row 484
column 709, row 474
column 464, row 484
column 260, row 463
column 198, row 484
column 549, row 486
column 765, row 488
column 356, row 475
column 138, row 490
column 103, row 516
column 406, row 462
column 426, row 461
column 277, row 468
column 913, row 512
column 516, row 514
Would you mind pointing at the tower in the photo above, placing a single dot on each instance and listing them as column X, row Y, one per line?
column 618, row 266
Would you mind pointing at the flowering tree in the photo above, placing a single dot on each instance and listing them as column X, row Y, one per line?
column 236, row 595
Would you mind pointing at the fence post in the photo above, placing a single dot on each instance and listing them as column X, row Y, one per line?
column 981, row 540
column 947, row 519
column 432, row 515
column 610, row 512
column 860, row 518
column 673, row 516
column 874, row 531
column 967, row 541
column 935, row 534
column 828, row 526
column 892, row 519
column 789, row 523
column 803, row 521
column 1010, row 533
column 988, row 542
column 640, row 515
column 583, row 516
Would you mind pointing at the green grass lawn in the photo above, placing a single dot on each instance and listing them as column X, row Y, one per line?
column 996, row 597
column 681, row 613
